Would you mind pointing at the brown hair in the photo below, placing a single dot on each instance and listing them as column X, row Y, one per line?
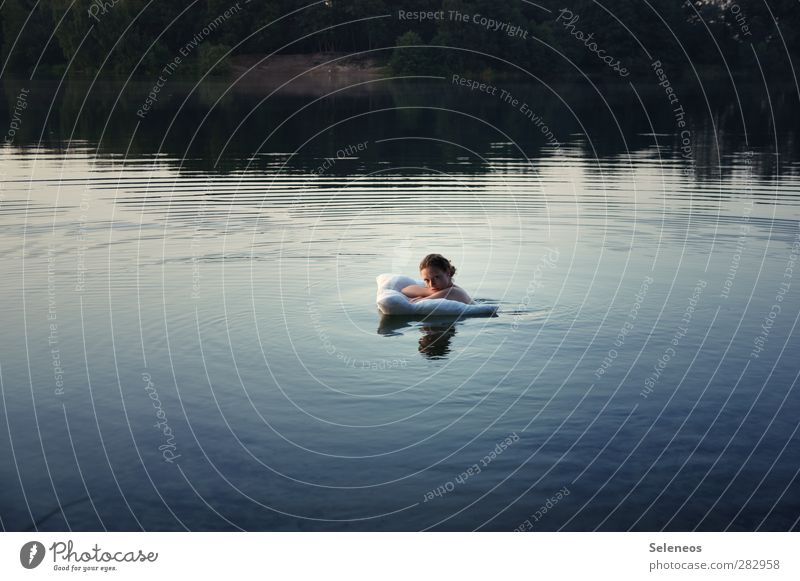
column 438, row 261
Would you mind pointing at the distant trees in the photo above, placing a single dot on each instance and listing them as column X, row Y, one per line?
column 27, row 26
column 410, row 60
column 122, row 37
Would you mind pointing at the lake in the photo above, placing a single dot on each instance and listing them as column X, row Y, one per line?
column 190, row 337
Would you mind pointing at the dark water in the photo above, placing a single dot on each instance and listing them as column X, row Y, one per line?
column 190, row 339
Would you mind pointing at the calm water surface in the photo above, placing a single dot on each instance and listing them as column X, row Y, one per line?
column 190, row 339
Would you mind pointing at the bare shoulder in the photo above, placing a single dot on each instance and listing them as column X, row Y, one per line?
column 459, row 294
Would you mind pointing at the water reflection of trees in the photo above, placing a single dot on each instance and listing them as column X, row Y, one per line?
column 192, row 128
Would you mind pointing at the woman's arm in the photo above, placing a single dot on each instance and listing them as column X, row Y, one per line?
column 414, row 291
column 452, row 293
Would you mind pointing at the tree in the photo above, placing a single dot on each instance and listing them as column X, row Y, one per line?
column 27, row 26
column 409, row 57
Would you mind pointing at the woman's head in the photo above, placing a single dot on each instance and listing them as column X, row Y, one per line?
column 437, row 272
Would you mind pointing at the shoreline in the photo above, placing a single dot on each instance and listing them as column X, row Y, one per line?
column 305, row 73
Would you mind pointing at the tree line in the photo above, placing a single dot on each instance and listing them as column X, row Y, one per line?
column 45, row 38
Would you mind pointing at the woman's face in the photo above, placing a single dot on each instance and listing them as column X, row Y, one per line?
column 435, row 278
